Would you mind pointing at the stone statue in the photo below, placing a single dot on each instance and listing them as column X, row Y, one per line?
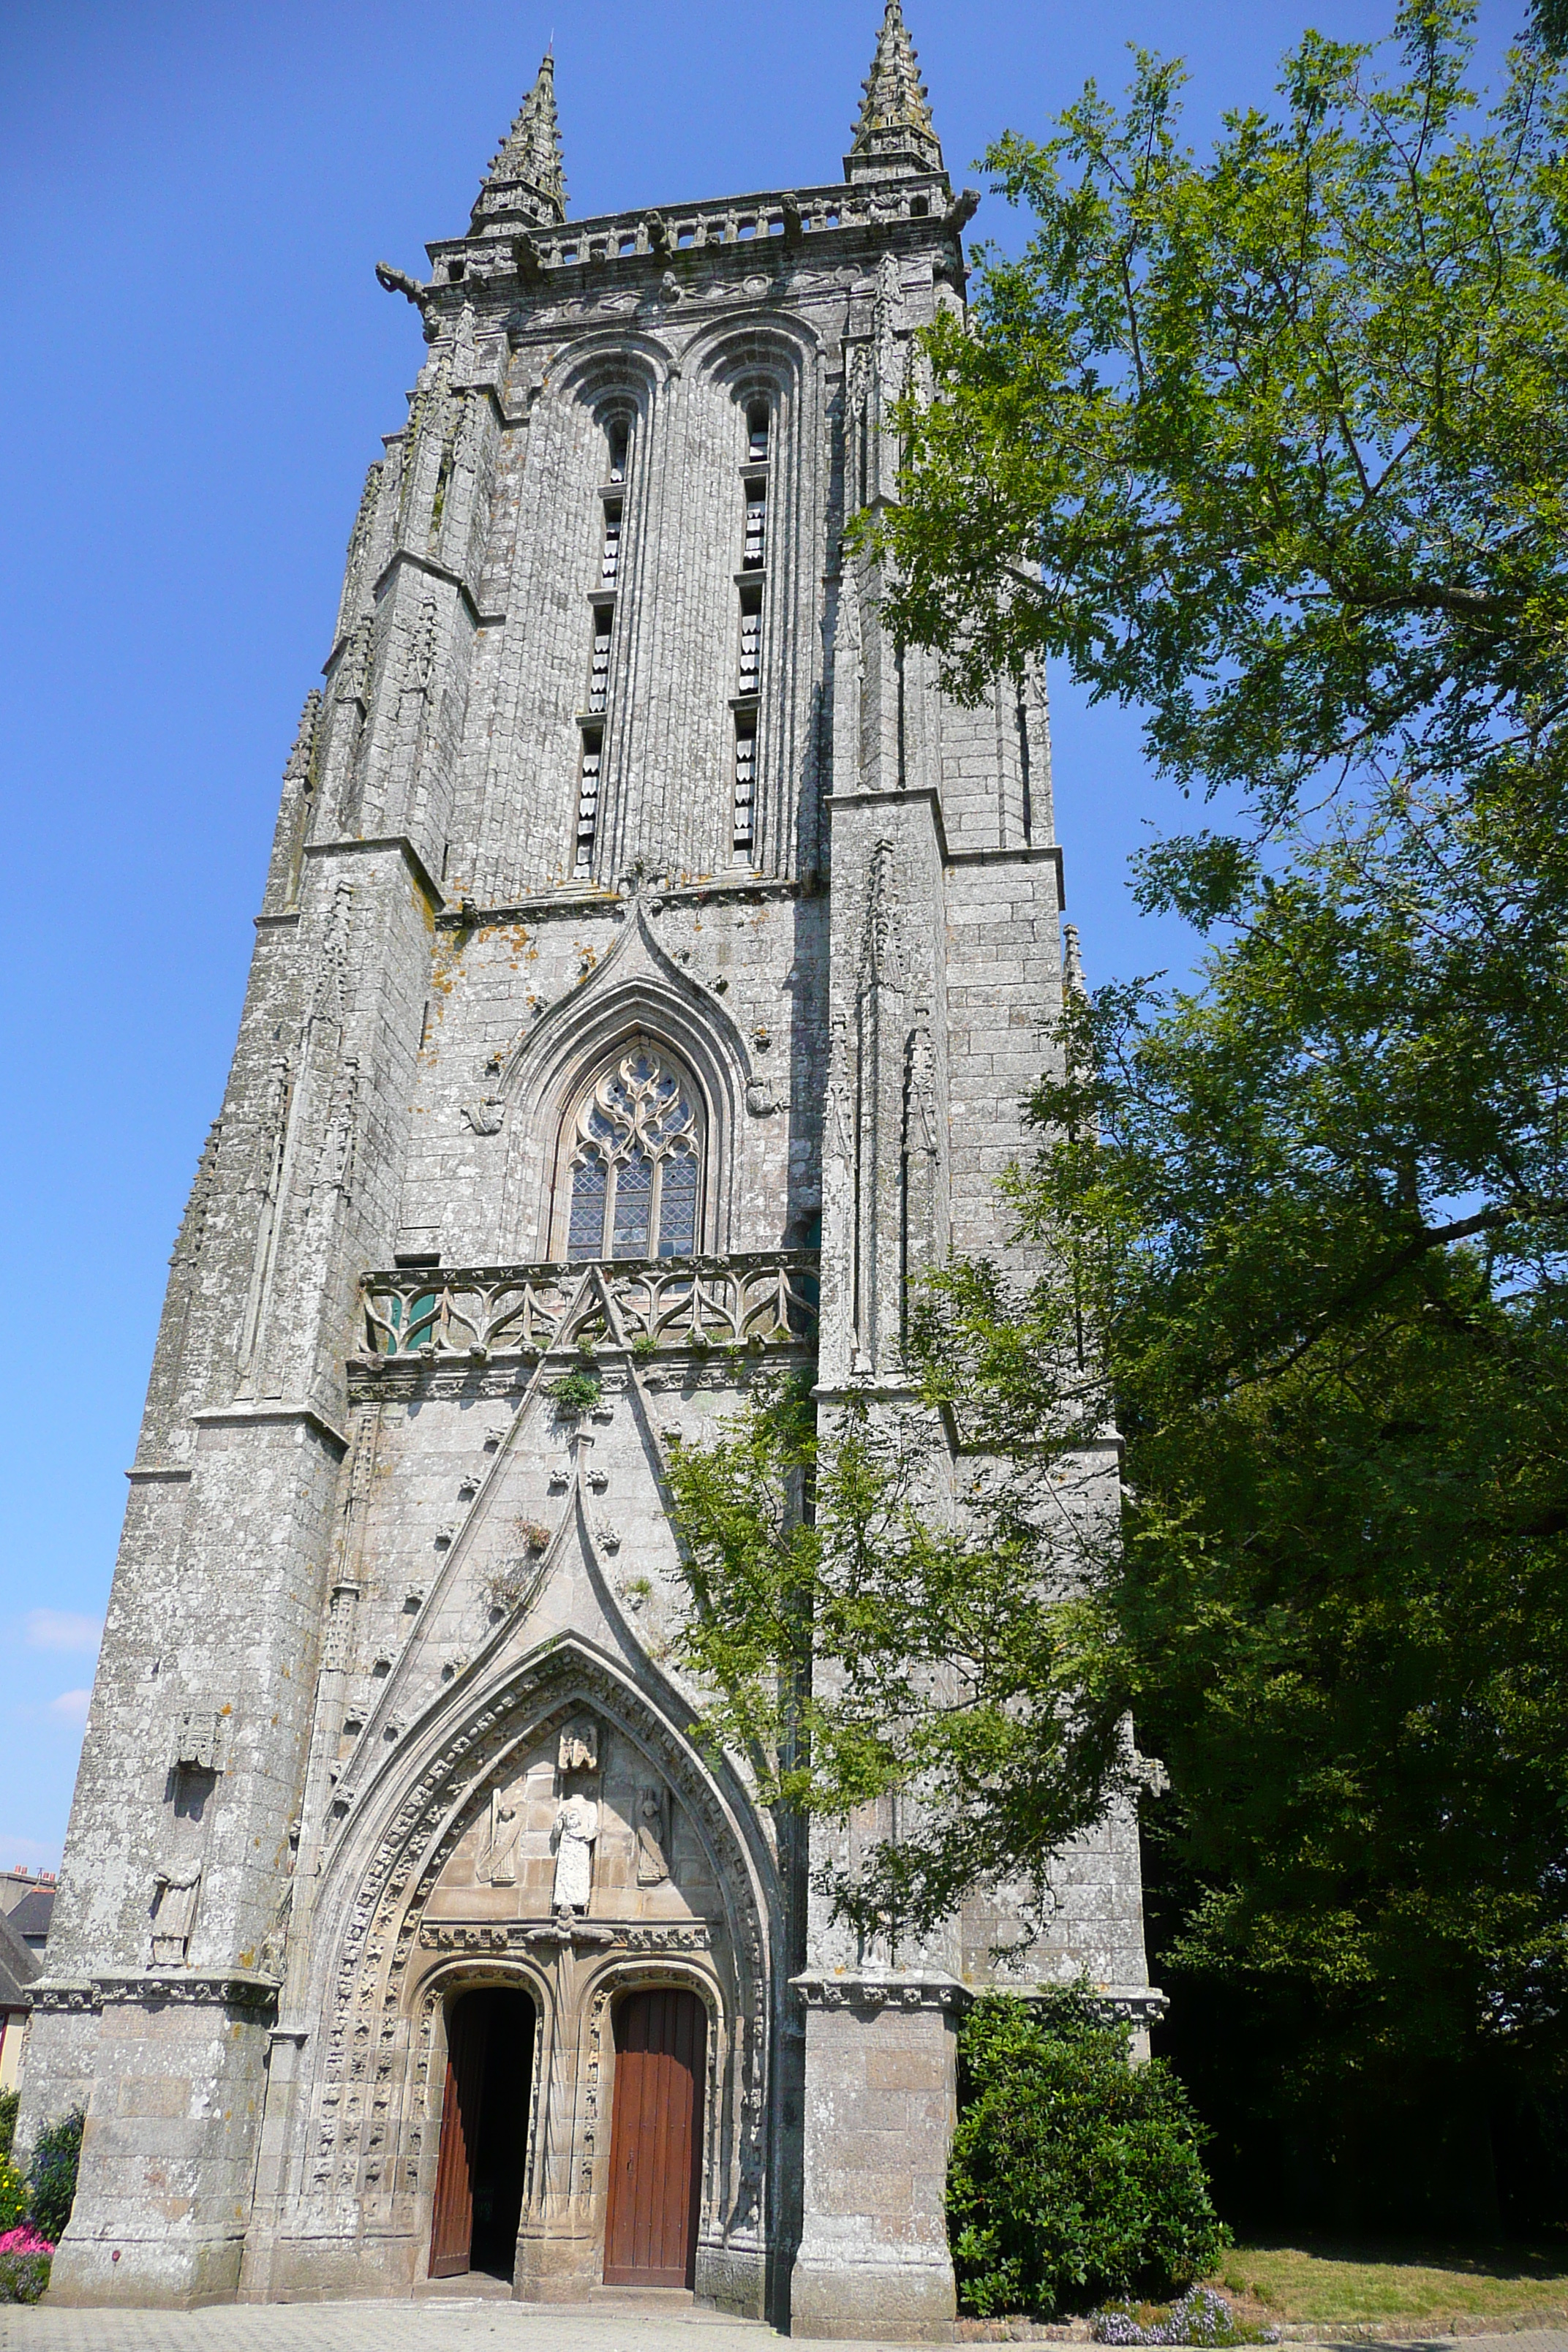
column 652, row 1867
column 174, row 1915
column 497, row 1859
column 572, row 1842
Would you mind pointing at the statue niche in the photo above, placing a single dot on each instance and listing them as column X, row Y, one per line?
column 573, row 1837
column 582, row 1825
column 496, row 1862
column 653, row 1870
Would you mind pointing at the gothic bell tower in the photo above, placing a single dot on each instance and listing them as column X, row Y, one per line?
column 650, row 966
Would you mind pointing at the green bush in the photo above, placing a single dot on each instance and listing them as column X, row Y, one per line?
column 1075, row 2176
column 51, row 2184
column 577, row 1392
column 9, row 2101
column 23, row 2277
column 13, row 2195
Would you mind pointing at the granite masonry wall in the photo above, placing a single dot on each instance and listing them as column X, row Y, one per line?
column 601, row 767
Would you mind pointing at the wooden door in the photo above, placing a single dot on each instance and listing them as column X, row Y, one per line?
column 655, row 2140
column 451, row 2232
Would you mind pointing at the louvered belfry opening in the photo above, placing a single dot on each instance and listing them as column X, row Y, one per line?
column 656, row 2139
column 483, row 2157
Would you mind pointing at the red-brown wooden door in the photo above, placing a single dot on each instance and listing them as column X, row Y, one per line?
column 655, row 2140
column 452, row 2230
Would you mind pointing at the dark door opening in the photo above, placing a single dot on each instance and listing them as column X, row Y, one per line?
column 484, row 2133
column 655, row 2140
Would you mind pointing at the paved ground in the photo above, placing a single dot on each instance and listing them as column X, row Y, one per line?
column 460, row 2324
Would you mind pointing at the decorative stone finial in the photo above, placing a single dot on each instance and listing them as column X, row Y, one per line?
column 895, row 134
column 526, row 179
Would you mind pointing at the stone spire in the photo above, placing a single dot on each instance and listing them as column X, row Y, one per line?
column 526, row 178
column 895, row 134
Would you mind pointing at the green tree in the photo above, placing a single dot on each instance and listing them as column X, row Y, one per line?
column 1272, row 445
column 861, row 1650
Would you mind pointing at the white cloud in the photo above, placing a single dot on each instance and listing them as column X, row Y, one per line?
column 62, row 1629
column 71, row 1706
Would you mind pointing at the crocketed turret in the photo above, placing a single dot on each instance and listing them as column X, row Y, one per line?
column 895, row 133
column 526, row 178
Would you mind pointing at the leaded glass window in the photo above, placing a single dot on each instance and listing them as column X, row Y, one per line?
column 635, row 1163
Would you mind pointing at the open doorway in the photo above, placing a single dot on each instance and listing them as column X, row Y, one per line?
column 484, row 2133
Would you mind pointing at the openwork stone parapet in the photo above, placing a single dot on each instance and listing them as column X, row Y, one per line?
column 765, row 1299
column 827, row 214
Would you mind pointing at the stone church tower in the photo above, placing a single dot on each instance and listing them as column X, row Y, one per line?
column 651, row 965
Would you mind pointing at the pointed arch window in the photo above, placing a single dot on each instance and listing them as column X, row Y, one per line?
column 635, row 1161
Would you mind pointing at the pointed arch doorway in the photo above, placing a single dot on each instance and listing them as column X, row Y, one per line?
column 656, row 2139
column 483, row 2153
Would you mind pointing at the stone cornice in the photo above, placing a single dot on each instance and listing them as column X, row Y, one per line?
column 901, row 1989
column 1042, row 853
column 370, row 845
column 919, row 1988
column 464, row 915
column 450, row 579
column 150, row 1988
column 244, row 1416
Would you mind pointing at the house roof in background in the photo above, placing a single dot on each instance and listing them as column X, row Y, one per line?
column 31, row 1916
column 18, row 1966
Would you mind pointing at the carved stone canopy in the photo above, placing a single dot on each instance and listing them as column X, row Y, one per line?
column 579, row 1750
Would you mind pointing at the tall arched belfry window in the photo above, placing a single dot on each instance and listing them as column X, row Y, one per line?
column 634, row 1161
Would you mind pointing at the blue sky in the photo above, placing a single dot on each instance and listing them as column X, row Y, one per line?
column 198, row 365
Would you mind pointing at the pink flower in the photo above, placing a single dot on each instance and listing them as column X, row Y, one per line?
column 25, row 2240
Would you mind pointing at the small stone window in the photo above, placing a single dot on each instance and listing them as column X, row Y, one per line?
column 616, row 437
column 610, row 564
column 751, row 642
column 599, row 674
column 754, row 553
column 588, row 803
column 636, row 1161
column 757, row 433
column 745, row 782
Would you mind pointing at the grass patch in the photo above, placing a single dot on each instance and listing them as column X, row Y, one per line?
column 1333, row 2281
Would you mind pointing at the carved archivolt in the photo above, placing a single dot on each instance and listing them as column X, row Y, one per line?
column 376, row 2102
column 638, row 999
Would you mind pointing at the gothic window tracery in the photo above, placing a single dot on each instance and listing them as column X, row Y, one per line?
column 636, row 1161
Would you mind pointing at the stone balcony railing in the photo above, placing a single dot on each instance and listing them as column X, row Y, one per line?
column 662, row 232
column 765, row 1297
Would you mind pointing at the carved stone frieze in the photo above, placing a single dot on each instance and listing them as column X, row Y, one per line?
column 524, row 1934
column 831, row 1990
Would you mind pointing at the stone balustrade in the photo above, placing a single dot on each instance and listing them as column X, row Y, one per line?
column 615, row 236
column 765, row 1297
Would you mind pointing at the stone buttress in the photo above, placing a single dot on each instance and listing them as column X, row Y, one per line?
column 650, row 967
